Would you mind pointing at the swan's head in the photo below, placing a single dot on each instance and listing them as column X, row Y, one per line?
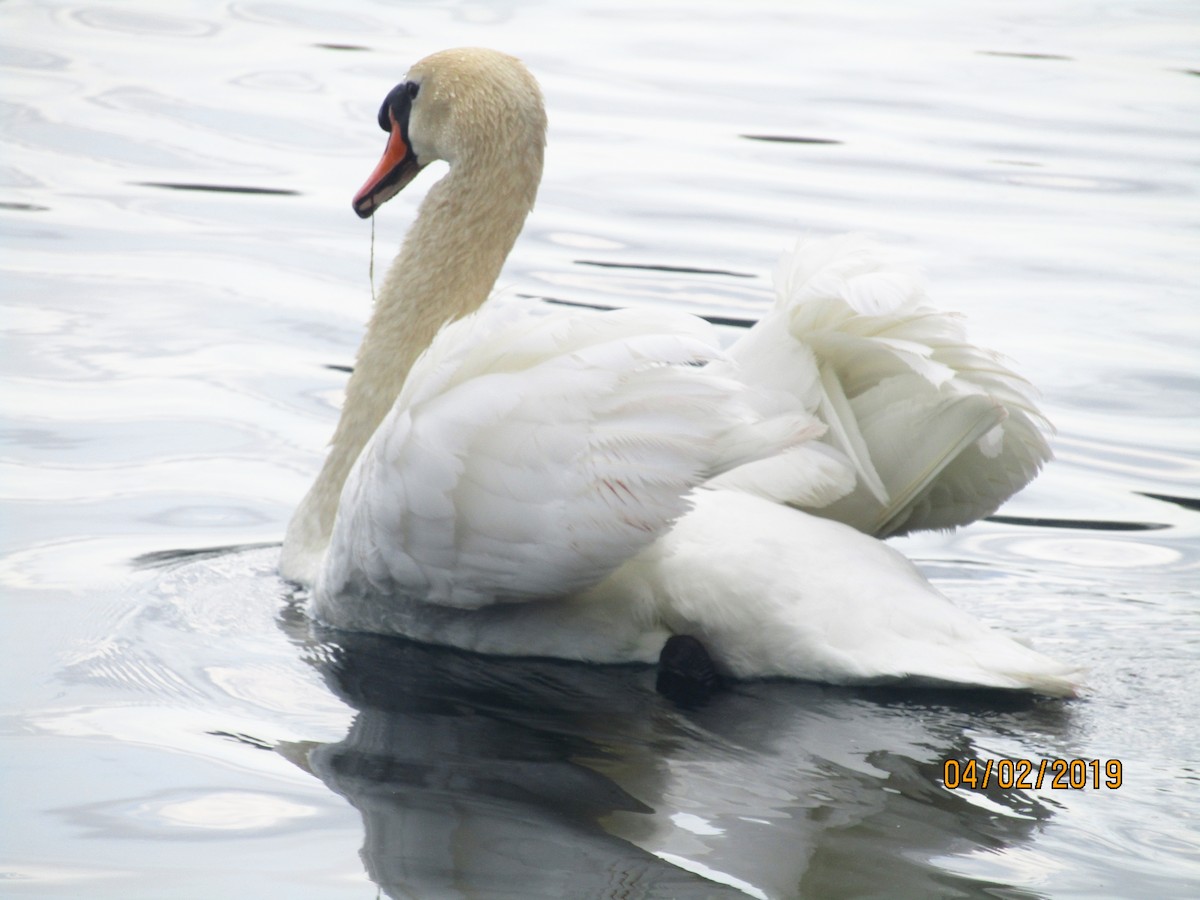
column 469, row 107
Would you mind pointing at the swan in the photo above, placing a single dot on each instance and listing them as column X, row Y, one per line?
column 588, row 484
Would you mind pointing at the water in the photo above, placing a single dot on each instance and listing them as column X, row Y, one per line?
column 181, row 270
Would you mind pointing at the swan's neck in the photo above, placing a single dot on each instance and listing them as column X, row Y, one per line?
column 445, row 269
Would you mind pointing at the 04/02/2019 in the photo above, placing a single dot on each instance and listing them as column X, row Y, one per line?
column 1030, row 774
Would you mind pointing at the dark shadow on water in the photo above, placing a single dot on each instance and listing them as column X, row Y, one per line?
column 1016, row 55
column 733, row 322
column 217, row 188
column 24, row 207
column 466, row 772
column 789, row 139
column 1077, row 524
column 659, row 267
column 162, row 559
column 531, row 778
column 1192, row 503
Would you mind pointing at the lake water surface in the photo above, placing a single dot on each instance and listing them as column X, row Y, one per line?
column 182, row 274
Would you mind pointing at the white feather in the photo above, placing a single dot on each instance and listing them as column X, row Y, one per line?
column 938, row 432
column 539, row 456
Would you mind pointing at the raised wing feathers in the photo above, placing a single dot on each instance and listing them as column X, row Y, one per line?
column 936, row 431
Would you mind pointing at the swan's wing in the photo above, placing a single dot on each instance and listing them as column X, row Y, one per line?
column 529, row 458
column 936, row 431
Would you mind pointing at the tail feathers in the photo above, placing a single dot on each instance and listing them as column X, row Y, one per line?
column 1064, row 683
column 991, row 660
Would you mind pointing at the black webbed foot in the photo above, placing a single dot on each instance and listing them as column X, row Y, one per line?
column 686, row 673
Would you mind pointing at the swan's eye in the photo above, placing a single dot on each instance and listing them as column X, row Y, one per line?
column 412, row 88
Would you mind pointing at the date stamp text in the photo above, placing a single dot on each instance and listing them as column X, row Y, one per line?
column 1033, row 774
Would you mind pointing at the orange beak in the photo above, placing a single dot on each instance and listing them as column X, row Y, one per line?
column 397, row 167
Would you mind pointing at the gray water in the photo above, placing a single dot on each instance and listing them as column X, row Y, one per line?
column 182, row 272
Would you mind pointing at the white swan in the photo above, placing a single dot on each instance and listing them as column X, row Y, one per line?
column 577, row 485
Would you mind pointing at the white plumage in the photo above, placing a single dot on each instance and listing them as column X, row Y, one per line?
column 585, row 484
column 527, row 459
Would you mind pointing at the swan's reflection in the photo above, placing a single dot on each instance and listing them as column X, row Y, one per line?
column 485, row 777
